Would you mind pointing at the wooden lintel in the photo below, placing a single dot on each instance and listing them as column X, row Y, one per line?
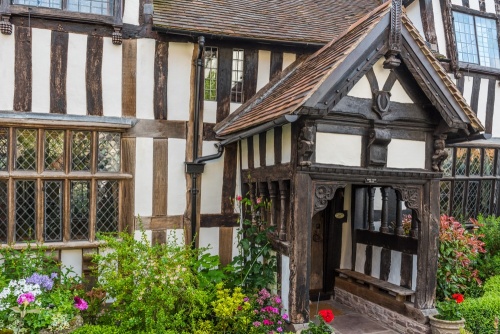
column 269, row 173
column 158, row 223
column 219, row 220
column 157, row 129
column 389, row 241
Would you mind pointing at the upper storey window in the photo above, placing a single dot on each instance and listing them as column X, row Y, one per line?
column 476, row 39
column 211, row 73
column 237, row 76
column 100, row 7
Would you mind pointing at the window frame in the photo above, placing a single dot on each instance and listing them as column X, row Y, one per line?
column 40, row 175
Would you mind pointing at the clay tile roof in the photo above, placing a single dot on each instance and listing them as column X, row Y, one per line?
column 306, row 21
column 471, row 115
column 292, row 88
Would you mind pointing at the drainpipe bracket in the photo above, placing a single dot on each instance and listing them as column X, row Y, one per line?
column 195, row 167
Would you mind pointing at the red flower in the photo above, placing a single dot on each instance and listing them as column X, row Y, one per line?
column 327, row 315
column 458, row 297
column 239, row 198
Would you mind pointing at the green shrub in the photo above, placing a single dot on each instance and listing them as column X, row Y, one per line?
column 489, row 262
column 481, row 314
column 107, row 329
column 492, row 285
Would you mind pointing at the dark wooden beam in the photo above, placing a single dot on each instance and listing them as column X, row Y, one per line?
column 427, row 16
column 229, row 179
column 160, row 77
column 406, row 270
column 389, row 241
column 276, row 64
column 278, row 139
column 22, row 69
column 262, row 149
column 385, row 264
column 490, row 106
column 476, row 85
column 158, row 129
column 129, row 66
column 160, row 176
column 224, row 82
column 251, row 163
column 58, row 68
column 219, row 220
column 93, row 75
column 250, row 69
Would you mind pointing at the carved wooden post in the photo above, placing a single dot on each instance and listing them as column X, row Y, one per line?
column 283, row 198
column 371, row 199
column 272, row 198
column 384, row 228
column 399, row 215
column 414, row 225
column 263, row 195
column 251, row 189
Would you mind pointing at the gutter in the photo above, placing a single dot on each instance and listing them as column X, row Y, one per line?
column 477, row 136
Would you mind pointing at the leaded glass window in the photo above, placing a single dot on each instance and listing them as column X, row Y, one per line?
column 4, row 211
column 4, row 145
column 101, row 7
column 211, row 62
column 237, row 76
column 54, row 150
column 476, row 40
column 25, row 210
column 53, row 210
column 81, row 145
column 109, row 152
column 80, row 210
column 26, row 145
column 107, row 206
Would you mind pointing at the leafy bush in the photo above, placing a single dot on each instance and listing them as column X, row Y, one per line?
column 481, row 314
column 459, row 250
column 489, row 262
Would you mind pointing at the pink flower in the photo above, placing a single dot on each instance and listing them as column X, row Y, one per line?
column 259, row 200
column 246, row 299
column 285, row 316
column 80, row 303
column 279, row 329
column 239, row 198
column 26, row 298
column 267, row 322
column 256, row 324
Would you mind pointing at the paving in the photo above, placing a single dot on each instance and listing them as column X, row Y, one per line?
column 347, row 321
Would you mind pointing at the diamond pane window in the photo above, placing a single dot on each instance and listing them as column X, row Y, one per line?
column 485, row 203
column 25, row 210
column 109, row 152
column 26, row 144
column 237, row 76
column 444, row 200
column 4, row 212
column 4, row 146
column 53, row 210
column 54, row 150
column 448, row 163
column 489, row 161
column 80, row 210
column 458, row 199
column 475, row 161
column 81, row 153
column 40, row 3
column 473, row 193
column 461, row 161
column 101, row 7
column 211, row 73
column 107, row 206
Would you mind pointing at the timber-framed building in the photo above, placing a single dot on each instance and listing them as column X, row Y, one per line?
column 360, row 121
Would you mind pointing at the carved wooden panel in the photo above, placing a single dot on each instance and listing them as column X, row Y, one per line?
column 324, row 192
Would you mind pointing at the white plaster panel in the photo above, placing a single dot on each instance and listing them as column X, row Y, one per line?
column 286, row 143
column 440, row 32
column 380, row 72
column 210, row 111
column 361, row 89
column 72, row 259
column 467, row 88
column 457, row 2
column 146, row 235
column 176, row 236
column 233, row 106
column 76, row 90
column 235, row 250
column 496, row 114
column 7, row 61
column 209, row 238
column 270, row 148
column 40, row 69
column 131, row 12
column 376, row 258
column 244, row 154
column 285, row 282
column 256, row 151
column 406, row 154
column 413, row 13
column 176, row 192
column 482, row 101
column 144, row 177
column 474, row 4
column 490, row 6
column 338, row 149
column 145, row 83
column 263, row 69
column 398, row 94
column 179, row 80
column 414, row 274
column 288, row 59
column 111, row 78
column 360, row 258
column 395, row 272
column 211, row 181
column 346, row 247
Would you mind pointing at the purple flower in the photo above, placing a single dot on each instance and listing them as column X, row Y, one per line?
column 257, row 324
column 285, row 316
column 267, row 322
column 277, row 300
column 264, row 294
column 43, row 281
column 53, row 275
column 25, row 298
column 279, row 329
column 80, row 303
column 246, row 299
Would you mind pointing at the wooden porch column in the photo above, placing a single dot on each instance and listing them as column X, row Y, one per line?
column 399, row 215
column 428, row 236
column 371, row 204
column 384, row 228
column 300, row 249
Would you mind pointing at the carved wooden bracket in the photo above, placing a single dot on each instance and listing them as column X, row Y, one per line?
column 378, row 141
column 324, row 192
column 5, row 25
column 117, row 37
column 395, row 35
column 306, row 145
column 412, row 196
column 440, row 154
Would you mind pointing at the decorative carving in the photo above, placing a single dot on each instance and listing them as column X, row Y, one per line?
column 381, row 102
column 324, row 193
column 116, row 37
column 439, row 154
column 5, row 25
column 378, row 141
column 395, row 36
column 411, row 196
column 306, row 145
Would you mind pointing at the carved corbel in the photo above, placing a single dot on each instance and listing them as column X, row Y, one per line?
column 378, row 141
column 440, row 154
column 117, row 37
column 5, row 25
column 324, row 193
column 411, row 195
column 306, row 145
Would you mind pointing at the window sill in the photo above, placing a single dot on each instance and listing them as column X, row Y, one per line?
column 37, row 12
column 47, row 175
column 478, row 69
column 57, row 245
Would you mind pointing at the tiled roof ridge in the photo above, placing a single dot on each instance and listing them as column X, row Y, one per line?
column 475, row 123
